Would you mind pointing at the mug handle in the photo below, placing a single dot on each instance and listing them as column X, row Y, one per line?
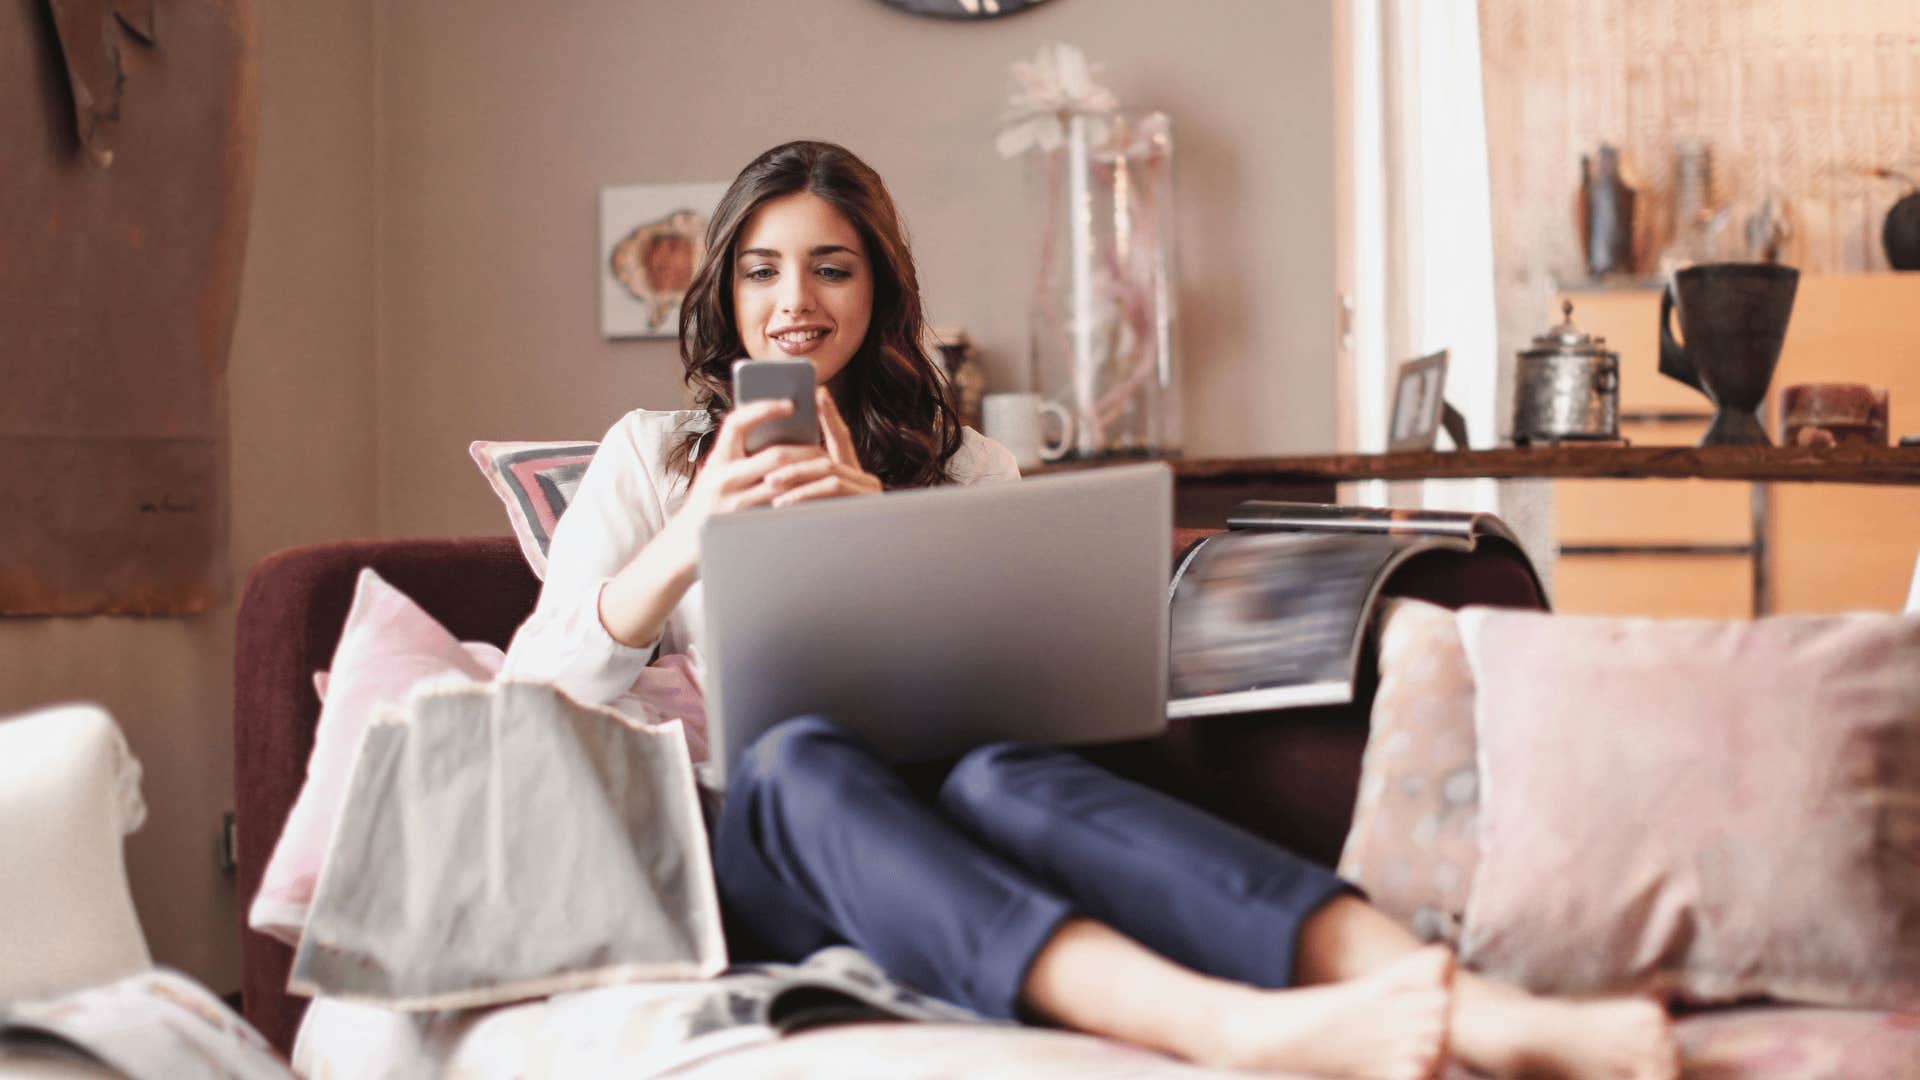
column 1054, row 451
column 1673, row 355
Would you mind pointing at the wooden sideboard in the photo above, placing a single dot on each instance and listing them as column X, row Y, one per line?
column 1859, row 556
column 1835, row 543
column 1896, row 465
column 1660, row 527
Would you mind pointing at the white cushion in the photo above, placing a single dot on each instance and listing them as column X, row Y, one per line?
column 69, row 791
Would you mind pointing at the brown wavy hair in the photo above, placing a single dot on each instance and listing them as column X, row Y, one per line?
column 893, row 398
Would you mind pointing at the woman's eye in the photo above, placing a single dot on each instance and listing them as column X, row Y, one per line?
column 760, row 273
column 835, row 273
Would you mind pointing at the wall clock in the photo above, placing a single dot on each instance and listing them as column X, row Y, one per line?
column 962, row 9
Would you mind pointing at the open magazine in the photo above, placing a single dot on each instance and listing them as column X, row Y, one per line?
column 639, row 1030
column 156, row 1025
column 755, row 1003
column 1274, row 614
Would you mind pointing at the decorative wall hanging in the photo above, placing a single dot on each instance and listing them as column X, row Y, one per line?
column 652, row 236
column 90, row 48
column 130, row 148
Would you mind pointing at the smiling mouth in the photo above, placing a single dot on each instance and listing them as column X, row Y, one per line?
column 798, row 342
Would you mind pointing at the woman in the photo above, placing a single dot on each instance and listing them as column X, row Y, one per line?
column 1035, row 885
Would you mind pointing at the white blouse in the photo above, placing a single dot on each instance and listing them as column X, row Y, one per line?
column 626, row 496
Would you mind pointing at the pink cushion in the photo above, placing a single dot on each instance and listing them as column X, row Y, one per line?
column 1784, row 1042
column 387, row 647
column 1415, row 834
column 535, row 481
column 1709, row 809
column 485, row 653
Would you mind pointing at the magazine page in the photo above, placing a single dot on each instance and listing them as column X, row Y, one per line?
column 505, row 842
column 639, row 1030
column 1267, row 620
column 650, row 1029
column 840, row 984
column 157, row 1025
column 1327, row 517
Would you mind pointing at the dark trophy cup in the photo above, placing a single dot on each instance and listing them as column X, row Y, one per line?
column 1734, row 316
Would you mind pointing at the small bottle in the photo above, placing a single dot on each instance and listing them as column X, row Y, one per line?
column 1703, row 229
column 964, row 372
column 1606, row 211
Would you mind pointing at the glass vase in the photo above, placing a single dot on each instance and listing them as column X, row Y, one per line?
column 1103, row 318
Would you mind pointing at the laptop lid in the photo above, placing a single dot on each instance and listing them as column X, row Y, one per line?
column 930, row 622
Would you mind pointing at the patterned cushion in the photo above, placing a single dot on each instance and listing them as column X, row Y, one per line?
column 1415, row 835
column 535, row 480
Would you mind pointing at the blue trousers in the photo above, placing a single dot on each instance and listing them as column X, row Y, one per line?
column 819, row 842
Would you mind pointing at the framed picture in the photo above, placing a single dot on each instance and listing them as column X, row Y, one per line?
column 1418, row 398
column 652, row 236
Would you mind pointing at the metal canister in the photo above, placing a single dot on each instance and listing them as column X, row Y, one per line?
column 1566, row 387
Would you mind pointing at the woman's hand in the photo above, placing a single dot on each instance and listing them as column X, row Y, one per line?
column 636, row 602
column 836, row 473
column 732, row 479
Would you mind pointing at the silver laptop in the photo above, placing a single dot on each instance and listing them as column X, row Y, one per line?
column 930, row 622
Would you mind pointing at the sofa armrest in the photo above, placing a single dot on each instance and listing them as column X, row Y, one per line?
column 69, row 793
column 288, row 621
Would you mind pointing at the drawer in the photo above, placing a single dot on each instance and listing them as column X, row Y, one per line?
column 1690, row 586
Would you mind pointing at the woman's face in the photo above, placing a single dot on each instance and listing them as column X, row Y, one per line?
column 802, row 287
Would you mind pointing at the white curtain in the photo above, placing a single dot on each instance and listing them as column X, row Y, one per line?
column 1416, row 234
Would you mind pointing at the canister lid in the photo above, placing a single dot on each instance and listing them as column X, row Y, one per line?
column 1568, row 338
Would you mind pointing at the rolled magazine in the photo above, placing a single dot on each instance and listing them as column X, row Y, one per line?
column 1275, row 613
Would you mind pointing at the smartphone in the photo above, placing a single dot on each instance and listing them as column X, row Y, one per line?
column 764, row 380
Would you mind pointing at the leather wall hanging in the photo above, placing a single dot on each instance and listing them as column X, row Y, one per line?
column 128, row 133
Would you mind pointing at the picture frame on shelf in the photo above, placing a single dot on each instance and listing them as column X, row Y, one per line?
column 1419, row 396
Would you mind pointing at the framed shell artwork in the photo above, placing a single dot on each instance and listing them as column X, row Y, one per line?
column 652, row 236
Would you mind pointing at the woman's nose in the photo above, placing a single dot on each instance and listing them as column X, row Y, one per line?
column 795, row 295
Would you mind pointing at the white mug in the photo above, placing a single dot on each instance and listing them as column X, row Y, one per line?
column 1013, row 420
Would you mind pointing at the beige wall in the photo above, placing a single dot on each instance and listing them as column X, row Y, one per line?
column 421, row 272
column 301, row 406
column 501, row 121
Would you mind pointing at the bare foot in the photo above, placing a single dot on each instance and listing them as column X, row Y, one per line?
column 1389, row 1025
column 1533, row 1038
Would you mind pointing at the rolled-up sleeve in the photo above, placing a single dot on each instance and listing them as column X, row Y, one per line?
column 614, row 512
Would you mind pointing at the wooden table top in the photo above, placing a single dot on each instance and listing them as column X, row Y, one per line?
column 1788, row 464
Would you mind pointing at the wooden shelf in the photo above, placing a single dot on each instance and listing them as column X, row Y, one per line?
column 1897, row 465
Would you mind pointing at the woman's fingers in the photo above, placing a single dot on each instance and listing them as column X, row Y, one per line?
column 803, row 472
column 828, row 488
column 840, row 481
column 748, row 471
column 731, row 444
column 757, row 495
column 833, row 429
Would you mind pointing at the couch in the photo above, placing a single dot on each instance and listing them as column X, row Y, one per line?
column 1290, row 776
column 480, row 588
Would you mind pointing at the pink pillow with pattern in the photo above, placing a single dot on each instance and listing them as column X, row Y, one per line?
column 1711, row 810
column 535, row 481
column 388, row 646
column 1415, row 836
